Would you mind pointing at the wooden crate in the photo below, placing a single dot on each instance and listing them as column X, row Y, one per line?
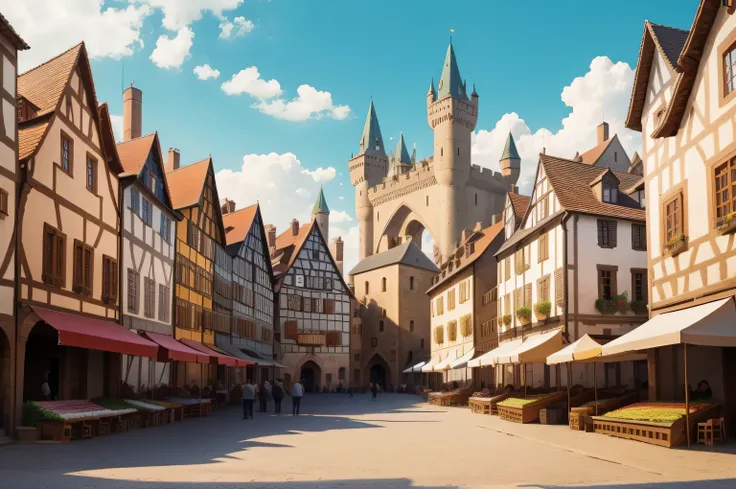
column 552, row 415
column 480, row 405
column 530, row 412
column 577, row 421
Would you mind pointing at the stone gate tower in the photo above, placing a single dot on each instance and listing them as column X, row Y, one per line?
column 445, row 193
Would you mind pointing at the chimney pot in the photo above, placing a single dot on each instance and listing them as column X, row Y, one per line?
column 174, row 159
column 132, row 113
column 227, row 206
column 602, row 132
column 270, row 235
column 294, row 227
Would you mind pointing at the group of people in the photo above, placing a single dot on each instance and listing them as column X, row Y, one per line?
column 266, row 391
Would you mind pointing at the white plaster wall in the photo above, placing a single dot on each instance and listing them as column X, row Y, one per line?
column 462, row 344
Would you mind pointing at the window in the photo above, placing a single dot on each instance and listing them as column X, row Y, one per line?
column 411, row 326
column 673, row 218
column 464, row 287
column 109, row 280
column 54, row 257
column 439, row 335
column 559, row 287
column 543, row 289
column 83, row 264
column 67, row 153
column 476, row 199
column 91, row 173
column 466, row 325
column 383, row 284
column 183, row 314
column 638, row 237
column 374, row 341
column 4, row 209
column 452, row 331
column 729, row 61
column 639, row 287
column 440, row 306
column 543, row 207
column 543, row 246
column 328, row 306
column 725, row 188
column 411, row 283
column 380, row 326
column 135, row 200
column 164, row 301
column 451, row 300
column 133, row 286
column 610, row 193
column 152, row 182
column 427, row 200
column 165, row 227
column 366, row 287
column 421, row 343
column 607, row 282
column 149, row 294
column 334, row 338
column 341, row 374
column 507, row 268
column 147, row 214
column 290, row 330
column 520, row 261
column 606, row 233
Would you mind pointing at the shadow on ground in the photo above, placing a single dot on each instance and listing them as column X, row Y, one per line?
column 707, row 484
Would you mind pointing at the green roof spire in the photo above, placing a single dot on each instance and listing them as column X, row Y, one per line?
column 451, row 83
column 509, row 151
column 402, row 153
column 320, row 207
column 371, row 141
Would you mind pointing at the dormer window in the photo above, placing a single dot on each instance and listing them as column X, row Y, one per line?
column 610, row 193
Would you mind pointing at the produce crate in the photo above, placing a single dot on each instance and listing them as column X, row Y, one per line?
column 579, row 413
column 529, row 413
column 553, row 414
column 480, row 405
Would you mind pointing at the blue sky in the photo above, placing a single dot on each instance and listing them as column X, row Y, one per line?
column 520, row 55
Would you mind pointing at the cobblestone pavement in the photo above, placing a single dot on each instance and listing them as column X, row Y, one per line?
column 396, row 442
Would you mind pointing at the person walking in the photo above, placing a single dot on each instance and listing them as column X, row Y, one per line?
column 263, row 398
column 374, row 390
column 297, row 392
column 249, row 396
column 278, row 394
column 350, row 390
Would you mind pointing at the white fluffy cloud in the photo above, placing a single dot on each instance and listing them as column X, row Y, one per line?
column 284, row 187
column 249, row 81
column 172, row 52
column 309, row 103
column 51, row 26
column 321, row 174
column 181, row 13
column 340, row 217
column 117, row 126
column 239, row 26
column 604, row 90
column 206, row 72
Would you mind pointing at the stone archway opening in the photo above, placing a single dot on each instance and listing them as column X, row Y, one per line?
column 43, row 363
column 310, row 375
column 5, row 381
column 406, row 225
column 379, row 372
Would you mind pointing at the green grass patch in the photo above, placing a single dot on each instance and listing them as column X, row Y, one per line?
column 517, row 402
column 33, row 414
column 653, row 415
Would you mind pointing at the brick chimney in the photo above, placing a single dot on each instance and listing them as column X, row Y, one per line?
column 270, row 235
column 602, row 132
column 173, row 160
column 294, row 227
column 132, row 113
column 337, row 247
column 227, row 206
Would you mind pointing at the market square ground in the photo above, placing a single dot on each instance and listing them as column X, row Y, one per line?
column 397, row 442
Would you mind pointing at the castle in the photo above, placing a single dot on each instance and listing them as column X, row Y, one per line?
column 397, row 198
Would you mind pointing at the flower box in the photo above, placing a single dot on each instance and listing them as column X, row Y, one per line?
column 542, row 309
column 727, row 224
column 639, row 307
column 506, row 319
column 622, row 303
column 524, row 314
column 606, row 306
column 675, row 246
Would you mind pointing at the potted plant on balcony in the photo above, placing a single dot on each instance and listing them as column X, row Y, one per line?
column 622, row 302
column 606, row 306
column 524, row 314
column 639, row 307
column 726, row 224
column 542, row 309
column 675, row 245
column 506, row 319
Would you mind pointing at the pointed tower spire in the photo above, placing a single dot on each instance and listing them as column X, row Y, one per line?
column 320, row 206
column 451, row 83
column 371, row 142
column 509, row 151
column 432, row 91
column 510, row 162
column 402, row 154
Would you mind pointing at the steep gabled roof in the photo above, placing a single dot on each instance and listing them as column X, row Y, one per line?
column 187, row 183
column 134, row 153
column 107, row 137
column 7, row 30
column 30, row 136
column 404, row 254
column 480, row 245
column 520, row 204
column 592, row 156
column 237, row 224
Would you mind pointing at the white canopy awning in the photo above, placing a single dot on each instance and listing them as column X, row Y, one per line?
column 462, row 362
column 534, row 348
column 416, row 368
column 491, row 357
column 429, row 366
column 444, row 364
column 582, row 349
column 710, row 324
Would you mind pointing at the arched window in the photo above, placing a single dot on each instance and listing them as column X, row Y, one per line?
column 427, row 200
column 383, row 284
column 442, row 151
column 458, row 150
column 411, row 283
column 366, row 287
column 421, row 343
column 411, row 326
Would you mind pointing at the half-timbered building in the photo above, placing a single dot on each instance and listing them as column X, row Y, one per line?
column 10, row 44
column 313, row 309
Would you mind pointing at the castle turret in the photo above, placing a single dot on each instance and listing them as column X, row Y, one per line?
column 368, row 168
column 321, row 213
column 400, row 160
column 452, row 117
column 510, row 162
column 431, row 94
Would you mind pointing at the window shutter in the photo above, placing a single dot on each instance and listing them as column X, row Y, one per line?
column 60, row 261
column 518, row 298
column 612, row 225
column 528, row 295
column 559, row 285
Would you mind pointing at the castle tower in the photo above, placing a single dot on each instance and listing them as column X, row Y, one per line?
column 401, row 161
column 452, row 116
column 321, row 213
column 368, row 168
column 510, row 162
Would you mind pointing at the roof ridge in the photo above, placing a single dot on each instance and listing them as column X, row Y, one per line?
column 190, row 165
column 135, row 139
column 240, row 210
column 80, row 44
column 667, row 26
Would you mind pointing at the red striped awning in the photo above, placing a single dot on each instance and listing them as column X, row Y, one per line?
column 171, row 350
column 96, row 334
column 215, row 357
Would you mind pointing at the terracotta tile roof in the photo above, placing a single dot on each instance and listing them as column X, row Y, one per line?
column 571, row 183
column 481, row 244
column 591, row 156
column 520, row 203
column 7, row 30
column 30, row 136
column 238, row 223
column 288, row 246
column 134, row 153
column 186, row 183
column 45, row 84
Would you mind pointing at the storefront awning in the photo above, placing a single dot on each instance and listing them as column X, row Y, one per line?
column 235, row 352
column 462, row 362
column 215, row 357
column 429, row 366
column 416, row 368
column 96, row 334
column 710, row 324
column 444, row 364
column 241, row 362
column 583, row 349
column 171, row 350
column 491, row 357
column 534, row 349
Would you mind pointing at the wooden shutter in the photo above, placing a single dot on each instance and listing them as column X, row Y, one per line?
column 290, row 330
column 60, row 269
column 88, row 270
column 612, row 234
column 559, row 287
column 113, row 280
column 518, row 298
column 528, row 295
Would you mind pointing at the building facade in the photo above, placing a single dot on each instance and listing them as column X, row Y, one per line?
column 580, row 218
column 394, row 314
column 397, row 199
column 684, row 105
column 10, row 175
